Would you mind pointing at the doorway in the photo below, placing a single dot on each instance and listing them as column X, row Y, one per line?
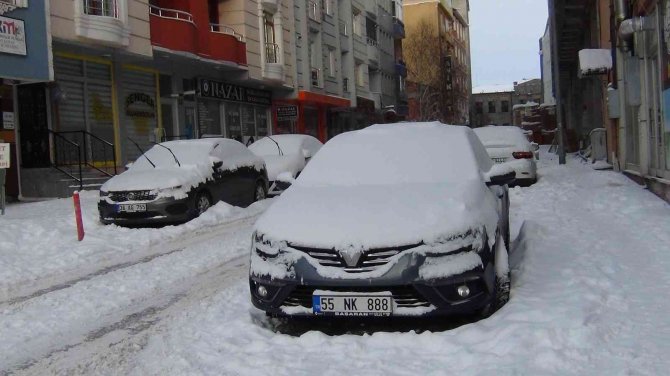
column 34, row 126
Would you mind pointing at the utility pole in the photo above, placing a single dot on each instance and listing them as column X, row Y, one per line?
column 556, row 74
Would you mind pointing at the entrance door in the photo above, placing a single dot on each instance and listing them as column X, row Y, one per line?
column 34, row 126
column 187, row 132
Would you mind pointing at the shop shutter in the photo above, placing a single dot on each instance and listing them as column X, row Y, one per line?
column 140, row 128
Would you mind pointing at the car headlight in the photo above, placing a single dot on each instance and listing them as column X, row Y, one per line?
column 103, row 193
column 264, row 247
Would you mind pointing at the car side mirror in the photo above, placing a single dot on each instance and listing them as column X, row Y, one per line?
column 535, row 146
column 500, row 174
column 306, row 153
column 285, row 177
column 217, row 165
column 128, row 165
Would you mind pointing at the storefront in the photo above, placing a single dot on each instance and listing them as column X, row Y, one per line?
column 227, row 110
column 314, row 114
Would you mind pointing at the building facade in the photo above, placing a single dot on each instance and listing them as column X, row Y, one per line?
column 438, row 60
column 626, row 91
column 492, row 105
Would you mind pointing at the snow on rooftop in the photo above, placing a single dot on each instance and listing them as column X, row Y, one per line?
column 498, row 88
column 594, row 61
column 525, row 105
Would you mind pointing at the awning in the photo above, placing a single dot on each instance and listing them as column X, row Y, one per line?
column 594, row 62
column 322, row 99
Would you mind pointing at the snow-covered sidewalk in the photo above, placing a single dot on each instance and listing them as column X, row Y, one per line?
column 588, row 297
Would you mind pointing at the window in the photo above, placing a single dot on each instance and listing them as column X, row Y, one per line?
column 479, row 107
column 504, row 106
column 105, row 8
column 360, row 75
column 492, row 107
column 331, row 63
column 271, row 48
column 314, row 10
column 358, row 22
column 330, row 7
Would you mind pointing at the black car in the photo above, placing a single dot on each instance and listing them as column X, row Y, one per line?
column 393, row 220
column 176, row 181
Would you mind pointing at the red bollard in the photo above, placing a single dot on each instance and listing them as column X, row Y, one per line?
column 77, row 214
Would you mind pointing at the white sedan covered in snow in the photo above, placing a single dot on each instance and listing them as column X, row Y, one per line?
column 285, row 156
column 403, row 219
column 509, row 145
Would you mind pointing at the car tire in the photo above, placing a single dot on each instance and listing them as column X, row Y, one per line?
column 203, row 201
column 260, row 191
column 502, row 281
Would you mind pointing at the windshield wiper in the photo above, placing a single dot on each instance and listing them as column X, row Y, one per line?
column 278, row 147
column 170, row 150
column 141, row 151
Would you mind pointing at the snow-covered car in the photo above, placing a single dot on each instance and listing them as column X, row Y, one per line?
column 176, row 181
column 509, row 145
column 403, row 219
column 285, row 157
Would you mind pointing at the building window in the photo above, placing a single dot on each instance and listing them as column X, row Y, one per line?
column 492, row 107
column 331, row 63
column 330, row 7
column 360, row 75
column 357, row 22
column 105, row 8
column 314, row 10
column 271, row 48
column 479, row 107
column 504, row 106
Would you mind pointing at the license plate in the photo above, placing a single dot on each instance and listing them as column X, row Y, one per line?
column 499, row 160
column 352, row 304
column 131, row 208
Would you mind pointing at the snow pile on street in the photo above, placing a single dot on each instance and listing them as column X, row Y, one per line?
column 589, row 276
column 38, row 241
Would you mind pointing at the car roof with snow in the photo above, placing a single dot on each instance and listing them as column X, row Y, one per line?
column 398, row 153
column 289, row 144
column 501, row 136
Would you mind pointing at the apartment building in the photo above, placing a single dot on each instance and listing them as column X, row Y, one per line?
column 443, row 75
column 345, row 67
column 492, row 105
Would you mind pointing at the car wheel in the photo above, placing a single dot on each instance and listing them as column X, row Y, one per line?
column 202, row 203
column 502, row 280
column 260, row 192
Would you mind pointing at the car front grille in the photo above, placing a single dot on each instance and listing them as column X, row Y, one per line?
column 403, row 296
column 123, row 196
column 368, row 261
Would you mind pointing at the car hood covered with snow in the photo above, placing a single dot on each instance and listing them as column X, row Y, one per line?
column 376, row 216
column 184, row 177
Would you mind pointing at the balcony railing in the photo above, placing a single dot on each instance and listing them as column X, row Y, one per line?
column 271, row 53
column 344, row 30
column 223, row 29
column 314, row 11
column 172, row 14
column 104, row 8
column 371, row 42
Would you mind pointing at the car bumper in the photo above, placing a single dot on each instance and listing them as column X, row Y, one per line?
column 525, row 170
column 160, row 211
column 413, row 296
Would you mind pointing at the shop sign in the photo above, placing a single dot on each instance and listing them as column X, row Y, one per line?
column 12, row 36
column 4, row 155
column 287, row 113
column 8, row 120
column 140, row 105
column 229, row 92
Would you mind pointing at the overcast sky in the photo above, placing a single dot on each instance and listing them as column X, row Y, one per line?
column 505, row 40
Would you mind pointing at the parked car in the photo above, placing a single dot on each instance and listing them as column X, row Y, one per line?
column 176, row 181
column 393, row 220
column 285, row 156
column 509, row 145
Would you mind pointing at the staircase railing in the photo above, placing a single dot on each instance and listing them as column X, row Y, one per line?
column 67, row 157
column 74, row 149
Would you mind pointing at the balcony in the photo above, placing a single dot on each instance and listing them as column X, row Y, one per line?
column 167, row 23
column 373, row 51
column 401, row 69
column 274, row 69
column 102, row 21
column 398, row 29
column 176, row 30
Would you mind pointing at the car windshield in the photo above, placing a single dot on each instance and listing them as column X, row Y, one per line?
column 289, row 144
column 191, row 152
column 396, row 154
column 501, row 137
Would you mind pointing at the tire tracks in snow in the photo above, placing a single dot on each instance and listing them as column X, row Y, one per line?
column 178, row 245
column 110, row 346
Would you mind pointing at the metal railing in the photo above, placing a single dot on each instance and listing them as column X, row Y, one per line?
column 105, row 8
column 271, row 53
column 172, row 14
column 223, row 29
column 75, row 149
column 314, row 11
column 344, row 29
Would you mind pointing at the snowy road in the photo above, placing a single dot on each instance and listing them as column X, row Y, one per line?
column 588, row 297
